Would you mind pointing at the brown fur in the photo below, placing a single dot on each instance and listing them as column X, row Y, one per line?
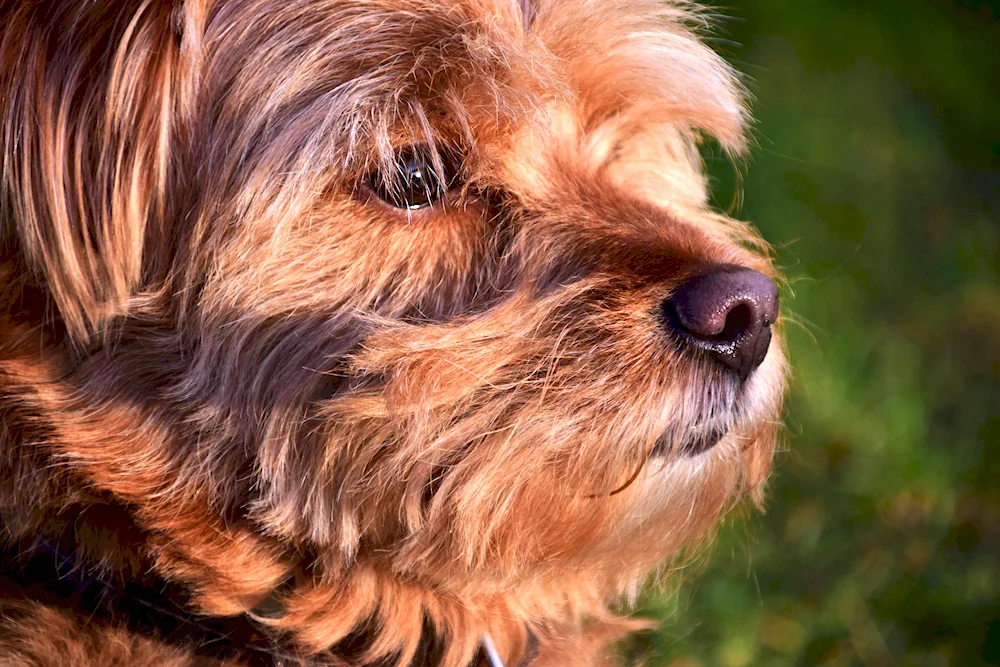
column 279, row 387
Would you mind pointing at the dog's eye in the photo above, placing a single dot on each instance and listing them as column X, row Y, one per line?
column 414, row 183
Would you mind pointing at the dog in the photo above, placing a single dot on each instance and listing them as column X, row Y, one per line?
column 366, row 332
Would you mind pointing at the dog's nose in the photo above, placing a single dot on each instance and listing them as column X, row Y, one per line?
column 727, row 311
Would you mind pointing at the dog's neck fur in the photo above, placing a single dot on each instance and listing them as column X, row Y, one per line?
column 150, row 606
column 73, row 548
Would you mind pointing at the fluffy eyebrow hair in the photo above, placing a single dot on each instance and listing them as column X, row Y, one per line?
column 353, row 81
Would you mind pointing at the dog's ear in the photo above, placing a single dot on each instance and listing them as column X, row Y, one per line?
column 86, row 97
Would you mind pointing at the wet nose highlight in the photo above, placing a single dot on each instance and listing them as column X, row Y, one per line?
column 727, row 312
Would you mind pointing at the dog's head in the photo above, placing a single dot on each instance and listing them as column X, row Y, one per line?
column 423, row 299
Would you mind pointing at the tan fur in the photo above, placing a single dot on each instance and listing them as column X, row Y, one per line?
column 379, row 418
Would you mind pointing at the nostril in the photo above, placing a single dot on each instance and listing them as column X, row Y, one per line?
column 725, row 311
column 738, row 322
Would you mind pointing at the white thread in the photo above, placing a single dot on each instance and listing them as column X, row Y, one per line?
column 491, row 651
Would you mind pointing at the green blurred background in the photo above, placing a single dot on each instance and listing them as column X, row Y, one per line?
column 876, row 176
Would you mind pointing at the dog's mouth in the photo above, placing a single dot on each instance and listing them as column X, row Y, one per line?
column 721, row 409
column 694, row 442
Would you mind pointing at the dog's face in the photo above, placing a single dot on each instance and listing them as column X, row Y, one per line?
column 426, row 294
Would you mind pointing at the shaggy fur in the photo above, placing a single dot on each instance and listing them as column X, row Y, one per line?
column 372, row 434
